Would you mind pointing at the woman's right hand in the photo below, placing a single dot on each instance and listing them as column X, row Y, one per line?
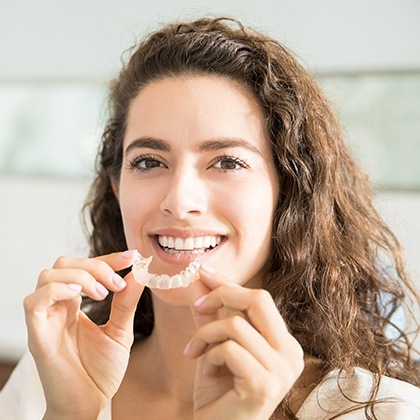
column 81, row 365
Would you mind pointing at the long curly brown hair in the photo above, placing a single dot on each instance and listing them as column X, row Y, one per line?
column 336, row 270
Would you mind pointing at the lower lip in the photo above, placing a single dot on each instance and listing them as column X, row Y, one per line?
column 181, row 260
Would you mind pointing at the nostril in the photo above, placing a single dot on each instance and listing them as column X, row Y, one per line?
column 185, row 198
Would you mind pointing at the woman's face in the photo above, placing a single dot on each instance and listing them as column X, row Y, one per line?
column 197, row 178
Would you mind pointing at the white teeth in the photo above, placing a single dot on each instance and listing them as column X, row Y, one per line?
column 171, row 242
column 179, row 243
column 206, row 241
column 164, row 241
column 188, row 244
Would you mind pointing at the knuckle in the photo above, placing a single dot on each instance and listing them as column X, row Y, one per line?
column 297, row 350
column 262, row 296
column 44, row 276
column 101, row 265
column 61, row 262
column 273, row 388
column 82, row 276
column 27, row 303
column 266, row 388
column 49, row 287
column 229, row 347
column 290, row 370
column 300, row 353
column 235, row 324
column 299, row 364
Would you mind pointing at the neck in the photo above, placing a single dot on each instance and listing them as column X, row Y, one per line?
column 161, row 354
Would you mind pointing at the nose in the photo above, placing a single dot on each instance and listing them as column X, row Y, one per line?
column 186, row 195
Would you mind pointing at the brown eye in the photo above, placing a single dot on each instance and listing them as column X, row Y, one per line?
column 230, row 163
column 145, row 164
column 227, row 165
column 149, row 164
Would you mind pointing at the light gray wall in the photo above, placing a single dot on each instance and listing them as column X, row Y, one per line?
column 79, row 39
column 50, row 40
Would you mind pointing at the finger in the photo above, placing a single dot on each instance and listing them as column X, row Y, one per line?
column 238, row 360
column 123, row 308
column 49, row 312
column 254, row 385
column 39, row 305
column 213, row 279
column 101, row 268
column 237, row 329
column 256, row 303
column 47, row 296
column 119, row 260
column 90, row 286
column 195, row 292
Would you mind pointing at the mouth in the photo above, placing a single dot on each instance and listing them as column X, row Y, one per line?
column 190, row 245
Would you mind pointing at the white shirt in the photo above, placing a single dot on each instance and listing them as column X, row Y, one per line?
column 22, row 398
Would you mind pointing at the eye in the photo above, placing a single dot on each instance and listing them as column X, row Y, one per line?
column 227, row 163
column 145, row 163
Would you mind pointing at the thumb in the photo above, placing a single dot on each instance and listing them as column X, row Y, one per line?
column 207, row 281
column 123, row 308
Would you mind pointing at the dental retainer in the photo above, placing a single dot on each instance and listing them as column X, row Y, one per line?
column 183, row 279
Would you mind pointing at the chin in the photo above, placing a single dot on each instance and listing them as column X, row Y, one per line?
column 175, row 297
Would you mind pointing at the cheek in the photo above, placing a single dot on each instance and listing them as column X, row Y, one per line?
column 258, row 213
column 250, row 207
column 259, row 225
column 135, row 204
column 254, row 203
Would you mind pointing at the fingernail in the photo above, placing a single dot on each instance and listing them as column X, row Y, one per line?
column 75, row 287
column 187, row 349
column 129, row 253
column 207, row 268
column 200, row 301
column 101, row 289
column 118, row 281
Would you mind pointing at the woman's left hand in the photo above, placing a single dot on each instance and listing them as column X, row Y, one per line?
column 247, row 359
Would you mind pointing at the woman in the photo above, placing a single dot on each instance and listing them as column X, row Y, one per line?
column 220, row 147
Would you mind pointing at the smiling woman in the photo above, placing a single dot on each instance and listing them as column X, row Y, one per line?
column 197, row 184
column 220, row 146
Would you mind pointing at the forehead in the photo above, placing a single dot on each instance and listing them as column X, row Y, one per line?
column 186, row 109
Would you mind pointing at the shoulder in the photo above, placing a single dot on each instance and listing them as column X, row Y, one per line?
column 339, row 391
column 22, row 397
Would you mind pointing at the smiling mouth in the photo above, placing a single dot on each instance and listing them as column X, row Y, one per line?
column 189, row 245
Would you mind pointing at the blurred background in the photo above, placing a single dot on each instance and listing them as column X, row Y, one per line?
column 57, row 58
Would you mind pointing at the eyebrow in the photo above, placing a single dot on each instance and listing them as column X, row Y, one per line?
column 148, row 143
column 206, row 146
column 217, row 144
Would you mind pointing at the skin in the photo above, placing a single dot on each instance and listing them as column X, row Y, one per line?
column 219, row 348
column 189, row 191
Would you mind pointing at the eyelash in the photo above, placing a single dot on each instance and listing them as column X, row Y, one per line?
column 134, row 164
column 233, row 159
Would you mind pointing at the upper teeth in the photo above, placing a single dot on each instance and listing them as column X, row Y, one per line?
column 198, row 242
